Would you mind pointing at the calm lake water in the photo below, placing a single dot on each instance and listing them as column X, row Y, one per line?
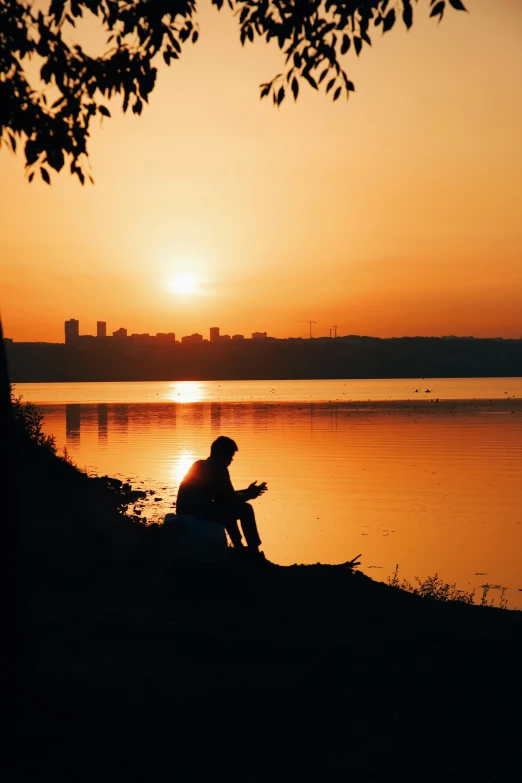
column 352, row 466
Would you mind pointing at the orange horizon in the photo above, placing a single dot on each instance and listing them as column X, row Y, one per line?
column 317, row 333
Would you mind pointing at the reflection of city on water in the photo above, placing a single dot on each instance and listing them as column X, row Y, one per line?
column 215, row 417
column 79, row 416
column 105, row 417
column 72, row 423
column 103, row 422
column 121, row 418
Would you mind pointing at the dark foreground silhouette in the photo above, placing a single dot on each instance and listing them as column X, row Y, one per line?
column 143, row 668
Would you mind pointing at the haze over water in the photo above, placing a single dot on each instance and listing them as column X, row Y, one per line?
column 351, row 466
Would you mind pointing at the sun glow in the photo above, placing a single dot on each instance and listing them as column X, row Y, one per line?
column 181, row 466
column 184, row 283
column 186, row 391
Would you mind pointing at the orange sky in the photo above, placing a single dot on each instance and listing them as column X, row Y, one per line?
column 396, row 213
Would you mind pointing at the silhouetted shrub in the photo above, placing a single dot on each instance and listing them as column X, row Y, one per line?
column 433, row 587
column 28, row 425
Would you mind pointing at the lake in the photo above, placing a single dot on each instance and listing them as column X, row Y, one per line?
column 427, row 479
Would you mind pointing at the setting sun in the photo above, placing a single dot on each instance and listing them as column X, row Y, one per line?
column 183, row 284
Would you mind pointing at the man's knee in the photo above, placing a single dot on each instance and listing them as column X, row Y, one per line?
column 246, row 511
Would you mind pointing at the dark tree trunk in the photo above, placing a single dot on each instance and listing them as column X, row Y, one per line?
column 15, row 672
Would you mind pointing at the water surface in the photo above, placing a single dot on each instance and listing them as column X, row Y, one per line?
column 276, row 391
column 434, row 487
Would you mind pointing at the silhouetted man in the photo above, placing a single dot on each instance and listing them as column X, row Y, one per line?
column 207, row 492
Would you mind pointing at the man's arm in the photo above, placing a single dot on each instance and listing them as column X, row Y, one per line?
column 252, row 492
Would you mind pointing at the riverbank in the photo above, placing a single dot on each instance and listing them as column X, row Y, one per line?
column 145, row 669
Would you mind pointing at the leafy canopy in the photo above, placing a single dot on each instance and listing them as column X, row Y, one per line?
column 52, row 119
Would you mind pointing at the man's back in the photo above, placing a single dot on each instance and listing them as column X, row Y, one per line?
column 206, row 482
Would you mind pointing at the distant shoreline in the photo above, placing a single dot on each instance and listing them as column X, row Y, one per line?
column 354, row 358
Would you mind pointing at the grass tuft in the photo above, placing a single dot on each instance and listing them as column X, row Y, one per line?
column 435, row 588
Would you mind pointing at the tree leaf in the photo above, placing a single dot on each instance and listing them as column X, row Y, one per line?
column 323, row 74
column 55, row 158
column 45, row 175
column 389, row 20
column 337, row 93
column 310, row 79
column 438, row 9
column 104, row 110
column 330, row 85
column 346, row 44
column 458, row 5
column 174, row 41
column 295, row 88
column 407, row 13
column 358, row 45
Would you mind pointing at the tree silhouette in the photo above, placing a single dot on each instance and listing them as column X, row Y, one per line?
column 52, row 119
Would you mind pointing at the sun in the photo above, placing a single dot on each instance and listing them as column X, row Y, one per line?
column 184, row 283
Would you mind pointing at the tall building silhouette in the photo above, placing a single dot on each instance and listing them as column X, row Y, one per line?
column 101, row 329
column 214, row 334
column 72, row 330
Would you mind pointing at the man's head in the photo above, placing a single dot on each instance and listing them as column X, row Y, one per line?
column 223, row 449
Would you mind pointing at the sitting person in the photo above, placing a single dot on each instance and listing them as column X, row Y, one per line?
column 207, row 492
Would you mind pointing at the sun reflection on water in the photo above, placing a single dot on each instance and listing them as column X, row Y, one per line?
column 186, row 391
column 181, row 466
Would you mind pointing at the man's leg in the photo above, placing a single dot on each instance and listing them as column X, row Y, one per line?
column 229, row 515
column 232, row 529
column 249, row 526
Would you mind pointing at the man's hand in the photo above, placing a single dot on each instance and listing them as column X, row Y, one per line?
column 255, row 489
